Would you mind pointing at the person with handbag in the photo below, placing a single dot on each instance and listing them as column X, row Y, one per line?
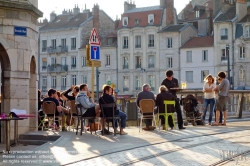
column 107, row 98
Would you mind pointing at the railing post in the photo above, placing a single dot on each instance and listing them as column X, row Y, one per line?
column 240, row 106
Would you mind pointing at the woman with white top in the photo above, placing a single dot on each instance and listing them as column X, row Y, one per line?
column 209, row 96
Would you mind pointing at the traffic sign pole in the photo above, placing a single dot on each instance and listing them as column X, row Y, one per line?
column 93, row 82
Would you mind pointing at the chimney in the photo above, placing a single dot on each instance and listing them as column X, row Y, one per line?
column 241, row 9
column 76, row 10
column 95, row 12
column 226, row 5
column 52, row 16
column 129, row 5
column 116, row 23
column 45, row 20
column 64, row 12
column 169, row 12
column 162, row 3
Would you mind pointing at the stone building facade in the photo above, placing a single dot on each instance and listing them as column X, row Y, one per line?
column 62, row 46
column 19, row 57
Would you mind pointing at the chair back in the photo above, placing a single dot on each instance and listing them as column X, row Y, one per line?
column 105, row 108
column 73, row 107
column 168, row 102
column 147, row 105
column 49, row 107
column 78, row 109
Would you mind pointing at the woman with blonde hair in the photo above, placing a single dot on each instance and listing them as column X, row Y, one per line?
column 209, row 97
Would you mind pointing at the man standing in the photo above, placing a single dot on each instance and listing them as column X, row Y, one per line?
column 223, row 89
column 146, row 94
column 171, row 82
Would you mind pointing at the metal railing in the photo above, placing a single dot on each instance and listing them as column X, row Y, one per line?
column 125, row 66
column 44, row 68
column 125, row 46
column 73, row 47
column 59, row 49
column 73, row 66
column 138, row 46
column 246, row 35
column 224, row 58
column 137, row 88
column 63, row 87
column 125, row 89
column 44, row 88
column 44, row 49
column 151, row 65
column 151, row 45
column 152, row 88
column 57, row 68
column 138, row 66
column 225, row 37
column 238, row 104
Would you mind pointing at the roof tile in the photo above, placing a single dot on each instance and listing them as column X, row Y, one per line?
column 204, row 41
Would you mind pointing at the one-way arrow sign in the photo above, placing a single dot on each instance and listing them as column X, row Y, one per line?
column 94, row 38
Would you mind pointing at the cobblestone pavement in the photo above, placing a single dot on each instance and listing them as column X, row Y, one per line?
column 197, row 145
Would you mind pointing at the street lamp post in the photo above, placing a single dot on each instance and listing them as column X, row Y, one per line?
column 228, row 64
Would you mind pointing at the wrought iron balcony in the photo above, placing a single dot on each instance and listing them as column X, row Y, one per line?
column 44, row 49
column 57, row 68
column 151, row 45
column 138, row 46
column 125, row 46
column 125, row 89
column 224, row 58
column 137, row 66
column 59, row 49
column 151, row 65
column 44, row 68
column 73, row 47
column 125, row 66
column 224, row 37
column 73, row 66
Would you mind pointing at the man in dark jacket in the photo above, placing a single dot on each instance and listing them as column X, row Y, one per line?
column 171, row 82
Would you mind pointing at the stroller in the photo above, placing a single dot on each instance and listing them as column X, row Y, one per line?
column 191, row 111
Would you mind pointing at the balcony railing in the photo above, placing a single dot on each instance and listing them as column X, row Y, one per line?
column 44, row 88
column 57, row 68
column 151, row 65
column 246, row 36
column 44, row 68
column 151, row 45
column 225, row 37
column 125, row 66
column 137, row 46
column 224, row 58
column 73, row 66
column 59, row 49
column 137, row 66
column 44, row 49
column 125, row 46
column 137, row 88
column 73, row 47
column 125, row 89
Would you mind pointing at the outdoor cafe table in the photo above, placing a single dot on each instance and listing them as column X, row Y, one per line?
column 7, row 131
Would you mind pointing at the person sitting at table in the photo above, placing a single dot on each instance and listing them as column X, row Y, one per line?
column 108, row 98
column 165, row 95
column 52, row 93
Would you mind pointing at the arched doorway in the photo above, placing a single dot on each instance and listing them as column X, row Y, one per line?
column 33, row 94
column 5, row 66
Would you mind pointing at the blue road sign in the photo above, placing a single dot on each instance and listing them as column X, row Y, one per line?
column 94, row 52
column 20, row 31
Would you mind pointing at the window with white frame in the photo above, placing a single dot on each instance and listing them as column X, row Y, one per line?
column 44, row 83
column 137, row 41
column 224, row 54
column 242, row 75
column 189, row 56
column 224, row 34
column 169, row 62
column 44, row 45
column 107, row 60
column 53, row 43
column 73, row 62
column 84, row 79
column 169, row 42
column 125, row 63
column 73, row 43
column 151, row 61
column 53, row 61
column 242, row 52
column 197, row 13
column 64, row 81
column 84, row 63
column 151, row 19
column 151, row 41
column 189, row 76
column 125, row 21
column 138, row 62
column 63, row 43
column 137, row 21
column 125, row 42
column 137, row 82
column 204, row 55
column 125, row 83
column 73, row 79
column 247, row 31
column 53, row 82
column 204, row 73
column 151, row 82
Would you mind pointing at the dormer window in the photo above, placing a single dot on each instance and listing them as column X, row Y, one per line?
column 247, row 31
column 150, row 19
column 125, row 21
column 137, row 21
column 197, row 13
